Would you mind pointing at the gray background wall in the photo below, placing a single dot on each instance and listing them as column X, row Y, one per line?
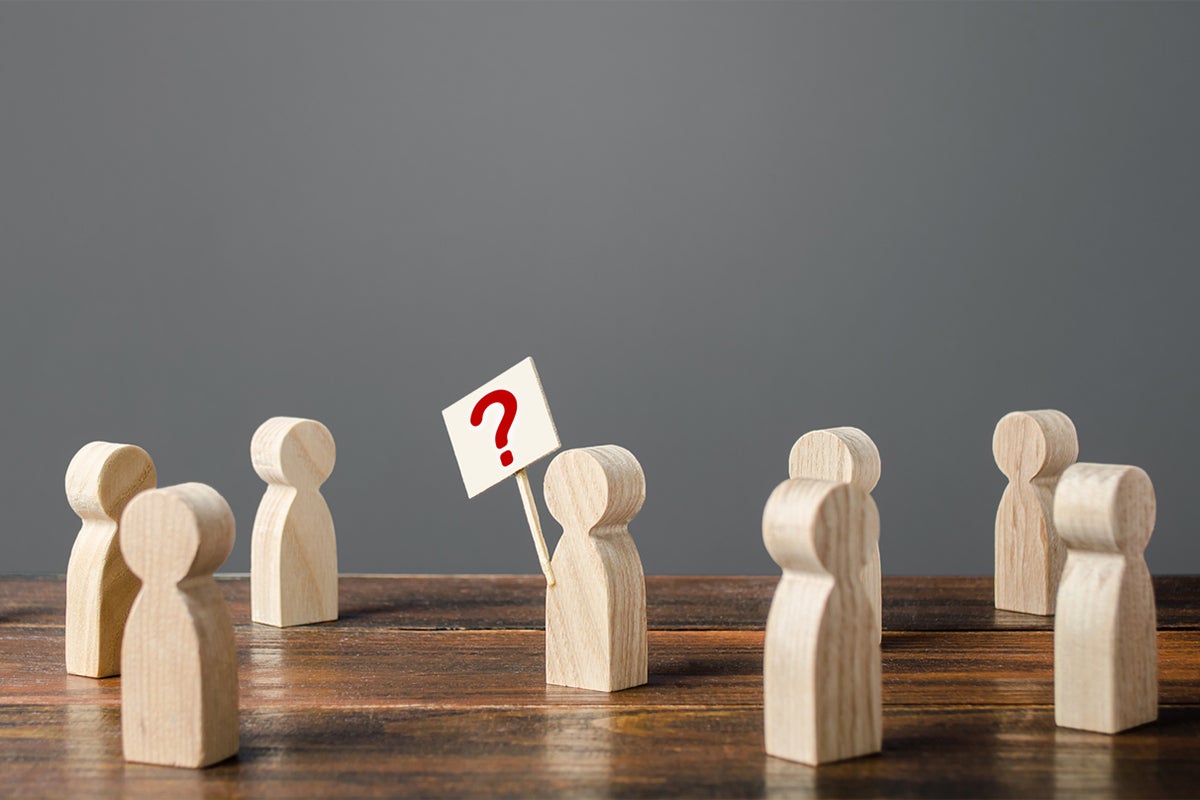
column 715, row 225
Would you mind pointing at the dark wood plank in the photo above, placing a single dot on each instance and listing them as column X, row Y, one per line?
column 966, row 604
column 604, row 752
column 433, row 686
column 325, row 666
column 453, row 602
column 516, row 602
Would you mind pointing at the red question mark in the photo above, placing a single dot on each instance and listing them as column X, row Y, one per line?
column 506, row 399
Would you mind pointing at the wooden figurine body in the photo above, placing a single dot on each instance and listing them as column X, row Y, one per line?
column 822, row 690
column 1105, row 651
column 596, row 611
column 293, row 550
column 845, row 455
column 101, row 479
column 179, row 692
column 1032, row 448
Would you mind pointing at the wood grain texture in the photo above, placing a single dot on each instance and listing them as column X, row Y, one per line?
column 821, row 670
column 179, row 692
column 1031, row 448
column 293, row 550
column 308, row 667
column 1105, row 667
column 101, row 479
column 596, row 752
column 673, row 602
column 596, row 610
column 369, row 708
column 846, row 455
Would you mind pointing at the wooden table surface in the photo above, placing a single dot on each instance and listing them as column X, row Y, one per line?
column 433, row 686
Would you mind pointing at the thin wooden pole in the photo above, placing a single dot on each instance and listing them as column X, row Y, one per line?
column 535, row 524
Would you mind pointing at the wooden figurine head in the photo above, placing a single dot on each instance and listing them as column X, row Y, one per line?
column 293, row 451
column 184, row 531
column 817, row 526
column 1029, row 444
column 845, row 455
column 593, row 487
column 1105, row 508
column 103, row 477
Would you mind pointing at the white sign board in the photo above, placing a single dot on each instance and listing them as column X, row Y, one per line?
column 501, row 428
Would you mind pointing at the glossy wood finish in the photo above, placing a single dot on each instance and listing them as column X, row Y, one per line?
column 433, row 686
column 517, row 602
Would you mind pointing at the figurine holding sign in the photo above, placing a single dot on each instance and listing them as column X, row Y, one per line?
column 596, row 619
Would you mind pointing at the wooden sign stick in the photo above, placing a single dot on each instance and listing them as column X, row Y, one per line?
column 535, row 524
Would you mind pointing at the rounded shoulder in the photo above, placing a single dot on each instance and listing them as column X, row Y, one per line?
column 847, row 455
column 177, row 532
column 103, row 477
column 293, row 451
column 593, row 486
column 1028, row 444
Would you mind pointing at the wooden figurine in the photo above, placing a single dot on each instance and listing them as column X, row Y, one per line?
column 1032, row 448
column 1105, row 653
column 179, row 692
column 101, row 479
column 293, row 550
column 846, row 455
column 822, row 689
column 596, row 611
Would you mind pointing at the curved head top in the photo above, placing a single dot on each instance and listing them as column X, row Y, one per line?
column 1106, row 508
column 594, row 486
column 176, row 532
column 293, row 451
column 103, row 477
column 1029, row 444
column 820, row 526
column 845, row 455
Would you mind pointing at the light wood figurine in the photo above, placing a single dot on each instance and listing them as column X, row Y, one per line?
column 822, row 689
column 1032, row 448
column 293, row 550
column 596, row 611
column 1105, row 653
column 845, row 455
column 101, row 479
column 179, row 687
